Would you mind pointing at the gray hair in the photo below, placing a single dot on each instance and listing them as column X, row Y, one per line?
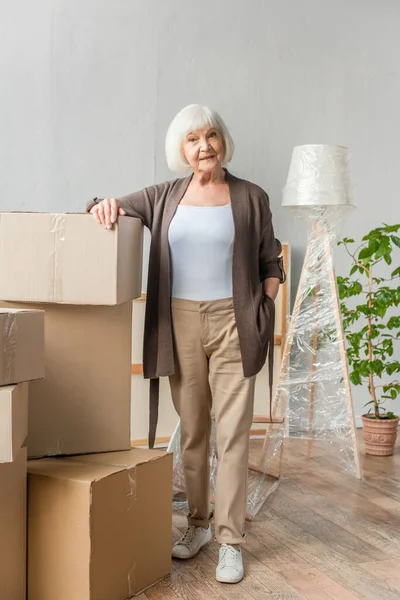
column 192, row 118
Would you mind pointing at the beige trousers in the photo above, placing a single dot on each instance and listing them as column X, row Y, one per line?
column 209, row 374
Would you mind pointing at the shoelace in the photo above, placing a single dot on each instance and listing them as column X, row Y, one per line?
column 229, row 557
column 188, row 536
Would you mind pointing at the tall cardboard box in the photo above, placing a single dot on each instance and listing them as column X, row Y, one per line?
column 13, row 420
column 13, row 528
column 99, row 527
column 83, row 404
column 21, row 344
column 69, row 259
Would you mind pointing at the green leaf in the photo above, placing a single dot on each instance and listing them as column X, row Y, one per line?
column 355, row 378
column 376, row 366
column 354, row 269
column 391, row 415
column 373, row 246
column 365, row 253
column 393, row 323
column 395, row 240
column 396, row 272
column 391, row 228
column 393, row 367
column 384, row 248
column 370, row 235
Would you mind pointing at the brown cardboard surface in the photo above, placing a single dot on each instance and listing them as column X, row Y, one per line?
column 13, row 420
column 83, row 404
column 76, row 469
column 131, row 458
column 22, row 345
column 13, row 528
column 93, row 522
column 69, row 259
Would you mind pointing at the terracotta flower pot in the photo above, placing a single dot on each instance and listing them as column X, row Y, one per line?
column 379, row 435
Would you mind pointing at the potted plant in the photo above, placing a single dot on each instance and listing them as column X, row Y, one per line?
column 371, row 333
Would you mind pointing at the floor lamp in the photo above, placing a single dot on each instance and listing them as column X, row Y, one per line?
column 313, row 391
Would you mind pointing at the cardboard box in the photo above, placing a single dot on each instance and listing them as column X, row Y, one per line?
column 13, row 420
column 99, row 527
column 13, row 528
column 69, row 259
column 83, row 405
column 22, row 345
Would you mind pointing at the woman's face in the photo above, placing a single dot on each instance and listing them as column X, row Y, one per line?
column 204, row 149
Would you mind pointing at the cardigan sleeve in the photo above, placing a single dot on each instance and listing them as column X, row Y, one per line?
column 270, row 261
column 139, row 204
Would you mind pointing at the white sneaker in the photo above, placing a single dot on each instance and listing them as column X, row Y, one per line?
column 190, row 544
column 230, row 565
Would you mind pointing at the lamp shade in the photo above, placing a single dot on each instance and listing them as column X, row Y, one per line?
column 318, row 176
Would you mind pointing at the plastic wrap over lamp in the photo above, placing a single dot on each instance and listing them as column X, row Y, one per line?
column 319, row 175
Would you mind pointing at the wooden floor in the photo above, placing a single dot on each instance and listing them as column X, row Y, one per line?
column 322, row 536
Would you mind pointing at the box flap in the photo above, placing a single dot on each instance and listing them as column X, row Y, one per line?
column 61, row 468
column 92, row 467
column 121, row 460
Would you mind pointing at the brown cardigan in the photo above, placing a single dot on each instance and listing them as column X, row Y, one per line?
column 255, row 258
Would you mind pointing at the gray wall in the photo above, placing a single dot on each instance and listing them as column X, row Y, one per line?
column 89, row 87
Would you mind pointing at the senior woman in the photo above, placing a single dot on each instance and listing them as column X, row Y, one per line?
column 214, row 272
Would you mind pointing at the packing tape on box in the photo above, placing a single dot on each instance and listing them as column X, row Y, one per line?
column 57, row 262
column 132, row 489
column 131, row 479
column 9, row 344
column 54, row 448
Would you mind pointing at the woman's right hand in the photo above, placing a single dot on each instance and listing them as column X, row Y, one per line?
column 106, row 212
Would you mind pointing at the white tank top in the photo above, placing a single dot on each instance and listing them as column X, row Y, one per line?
column 201, row 246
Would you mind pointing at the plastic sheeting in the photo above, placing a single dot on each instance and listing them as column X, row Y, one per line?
column 319, row 175
column 56, row 265
column 313, row 388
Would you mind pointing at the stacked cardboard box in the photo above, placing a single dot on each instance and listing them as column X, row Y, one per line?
column 84, row 278
column 99, row 525
column 21, row 360
column 83, row 405
column 91, row 517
